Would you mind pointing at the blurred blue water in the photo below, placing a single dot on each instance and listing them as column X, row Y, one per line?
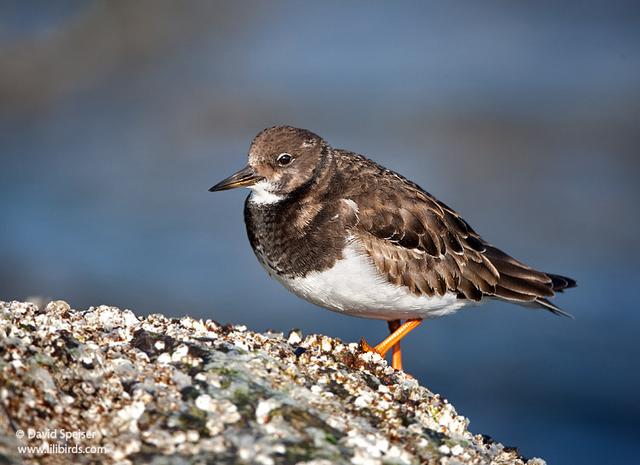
column 523, row 117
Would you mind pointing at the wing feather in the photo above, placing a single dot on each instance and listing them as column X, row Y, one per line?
column 418, row 242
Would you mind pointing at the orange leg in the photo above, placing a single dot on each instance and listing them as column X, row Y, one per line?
column 396, row 355
column 392, row 340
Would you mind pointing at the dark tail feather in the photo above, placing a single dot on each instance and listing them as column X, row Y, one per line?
column 553, row 309
column 522, row 284
column 560, row 283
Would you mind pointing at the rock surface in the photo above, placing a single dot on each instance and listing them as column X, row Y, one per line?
column 105, row 386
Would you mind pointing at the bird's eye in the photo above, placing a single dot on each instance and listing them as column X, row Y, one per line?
column 284, row 159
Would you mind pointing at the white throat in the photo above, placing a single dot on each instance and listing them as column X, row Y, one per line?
column 262, row 194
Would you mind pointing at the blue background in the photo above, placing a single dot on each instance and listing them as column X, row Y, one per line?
column 116, row 117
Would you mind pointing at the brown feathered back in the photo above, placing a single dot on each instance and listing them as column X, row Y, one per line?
column 419, row 242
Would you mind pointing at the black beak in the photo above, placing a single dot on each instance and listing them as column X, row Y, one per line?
column 243, row 178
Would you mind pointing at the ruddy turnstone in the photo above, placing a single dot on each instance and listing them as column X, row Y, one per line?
column 349, row 235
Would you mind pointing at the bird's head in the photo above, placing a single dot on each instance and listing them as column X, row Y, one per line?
column 282, row 159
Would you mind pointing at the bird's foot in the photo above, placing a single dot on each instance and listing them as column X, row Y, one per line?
column 366, row 347
column 398, row 331
column 381, row 349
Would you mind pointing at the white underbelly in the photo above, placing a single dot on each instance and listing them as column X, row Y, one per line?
column 354, row 286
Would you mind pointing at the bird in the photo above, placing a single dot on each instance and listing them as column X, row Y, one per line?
column 345, row 233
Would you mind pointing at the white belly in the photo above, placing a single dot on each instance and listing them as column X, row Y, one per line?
column 354, row 286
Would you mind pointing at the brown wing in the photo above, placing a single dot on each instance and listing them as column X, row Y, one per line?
column 419, row 242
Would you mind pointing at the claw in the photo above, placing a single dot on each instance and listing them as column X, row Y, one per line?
column 366, row 347
column 398, row 331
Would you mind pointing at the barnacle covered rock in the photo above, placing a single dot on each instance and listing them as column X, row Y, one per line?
column 105, row 386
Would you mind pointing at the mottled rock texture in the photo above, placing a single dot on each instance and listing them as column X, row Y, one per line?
column 104, row 386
